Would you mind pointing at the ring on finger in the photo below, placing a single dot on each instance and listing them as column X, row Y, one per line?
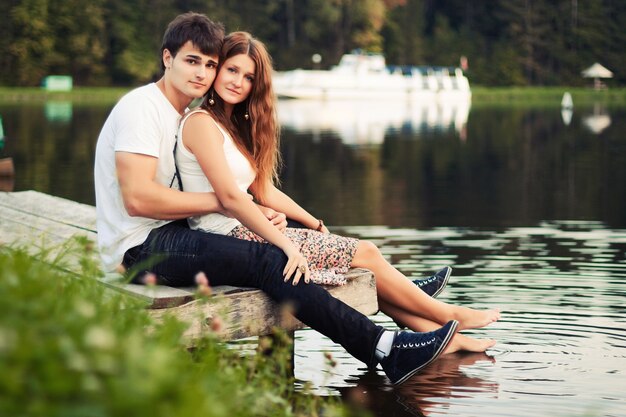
column 302, row 269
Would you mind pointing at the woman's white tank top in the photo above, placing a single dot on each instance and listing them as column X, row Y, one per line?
column 194, row 180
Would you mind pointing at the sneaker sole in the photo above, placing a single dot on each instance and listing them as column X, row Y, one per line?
column 445, row 282
column 439, row 351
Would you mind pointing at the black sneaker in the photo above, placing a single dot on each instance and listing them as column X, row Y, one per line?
column 412, row 351
column 435, row 284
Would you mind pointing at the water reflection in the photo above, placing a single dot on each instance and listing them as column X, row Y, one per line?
column 52, row 145
column 597, row 121
column 367, row 122
column 449, row 378
column 562, row 341
column 566, row 114
column 58, row 111
column 518, row 166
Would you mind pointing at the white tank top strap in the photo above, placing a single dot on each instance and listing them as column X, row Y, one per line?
column 192, row 112
column 184, row 118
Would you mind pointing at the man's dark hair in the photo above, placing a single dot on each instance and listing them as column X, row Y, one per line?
column 205, row 35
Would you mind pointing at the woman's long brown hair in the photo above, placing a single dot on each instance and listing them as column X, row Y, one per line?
column 258, row 136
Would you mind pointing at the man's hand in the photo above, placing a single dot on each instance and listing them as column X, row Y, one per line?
column 278, row 219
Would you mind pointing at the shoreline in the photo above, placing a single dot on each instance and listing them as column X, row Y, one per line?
column 481, row 96
column 546, row 96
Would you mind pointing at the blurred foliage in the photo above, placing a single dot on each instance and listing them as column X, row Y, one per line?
column 506, row 42
column 69, row 347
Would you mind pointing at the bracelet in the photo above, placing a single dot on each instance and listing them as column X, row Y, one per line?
column 319, row 226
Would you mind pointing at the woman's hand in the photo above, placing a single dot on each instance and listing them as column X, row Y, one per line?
column 297, row 266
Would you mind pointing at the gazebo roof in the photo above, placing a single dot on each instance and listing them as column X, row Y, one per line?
column 597, row 71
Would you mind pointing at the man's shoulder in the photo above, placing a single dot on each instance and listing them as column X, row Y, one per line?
column 146, row 100
column 146, row 93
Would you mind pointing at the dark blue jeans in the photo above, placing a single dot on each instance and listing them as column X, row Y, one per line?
column 176, row 253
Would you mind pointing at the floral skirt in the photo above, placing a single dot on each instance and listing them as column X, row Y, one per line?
column 329, row 256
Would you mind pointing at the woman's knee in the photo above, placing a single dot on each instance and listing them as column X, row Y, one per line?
column 366, row 253
column 369, row 248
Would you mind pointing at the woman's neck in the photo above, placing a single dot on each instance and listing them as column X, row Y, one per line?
column 228, row 110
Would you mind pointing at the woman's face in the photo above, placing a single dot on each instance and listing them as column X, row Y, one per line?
column 235, row 79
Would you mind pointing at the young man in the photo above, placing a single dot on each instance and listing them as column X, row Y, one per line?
column 138, row 203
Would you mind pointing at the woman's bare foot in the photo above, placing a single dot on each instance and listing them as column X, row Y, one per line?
column 474, row 319
column 462, row 343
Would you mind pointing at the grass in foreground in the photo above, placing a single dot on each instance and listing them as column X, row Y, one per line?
column 68, row 347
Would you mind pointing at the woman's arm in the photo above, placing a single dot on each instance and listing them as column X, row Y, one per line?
column 202, row 138
column 280, row 201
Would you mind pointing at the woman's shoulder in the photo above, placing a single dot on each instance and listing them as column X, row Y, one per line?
column 199, row 116
column 200, row 121
column 198, row 112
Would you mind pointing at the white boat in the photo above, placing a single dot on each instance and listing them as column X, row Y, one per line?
column 361, row 75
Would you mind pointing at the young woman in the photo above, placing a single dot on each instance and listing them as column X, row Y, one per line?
column 230, row 146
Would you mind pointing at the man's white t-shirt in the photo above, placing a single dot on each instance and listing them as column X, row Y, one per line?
column 142, row 122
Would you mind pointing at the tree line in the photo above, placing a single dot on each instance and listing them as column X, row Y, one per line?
column 503, row 42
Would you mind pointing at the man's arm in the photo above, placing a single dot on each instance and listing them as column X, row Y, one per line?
column 144, row 197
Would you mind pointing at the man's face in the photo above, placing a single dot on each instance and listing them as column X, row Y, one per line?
column 190, row 72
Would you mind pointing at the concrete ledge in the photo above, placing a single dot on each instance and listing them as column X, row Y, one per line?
column 35, row 220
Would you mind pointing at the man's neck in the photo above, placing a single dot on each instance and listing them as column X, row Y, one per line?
column 178, row 101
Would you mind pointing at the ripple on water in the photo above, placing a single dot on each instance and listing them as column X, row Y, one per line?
column 561, row 342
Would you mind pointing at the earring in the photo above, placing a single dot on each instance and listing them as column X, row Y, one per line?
column 211, row 100
column 246, row 115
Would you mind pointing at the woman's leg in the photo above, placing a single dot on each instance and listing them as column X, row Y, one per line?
column 332, row 251
column 396, row 290
column 459, row 342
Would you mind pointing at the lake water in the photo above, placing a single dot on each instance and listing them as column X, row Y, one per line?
column 528, row 206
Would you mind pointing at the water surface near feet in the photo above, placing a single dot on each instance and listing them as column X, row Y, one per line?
column 561, row 347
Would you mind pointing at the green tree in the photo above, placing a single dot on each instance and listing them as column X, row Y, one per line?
column 368, row 18
column 599, row 36
column 529, row 31
column 29, row 45
column 132, row 55
column 520, row 42
column 79, row 42
column 403, row 33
